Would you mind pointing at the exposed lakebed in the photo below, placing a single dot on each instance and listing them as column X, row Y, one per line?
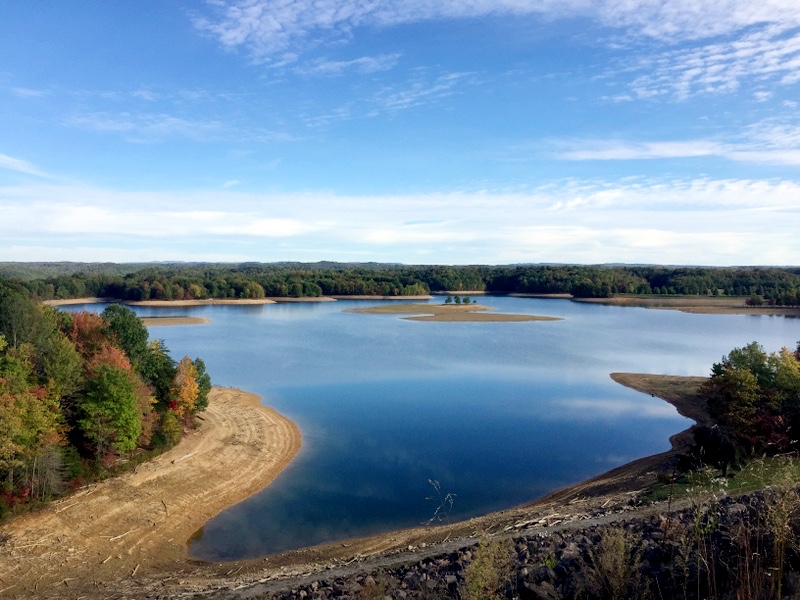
column 497, row 413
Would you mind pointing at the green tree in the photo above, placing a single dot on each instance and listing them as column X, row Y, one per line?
column 740, row 391
column 31, row 424
column 752, row 358
column 58, row 362
column 109, row 412
column 203, row 385
column 158, row 370
column 170, row 428
column 18, row 315
column 129, row 332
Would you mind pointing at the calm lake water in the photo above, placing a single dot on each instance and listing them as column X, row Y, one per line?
column 498, row 413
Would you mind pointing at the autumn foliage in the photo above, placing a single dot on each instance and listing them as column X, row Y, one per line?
column 80, row 391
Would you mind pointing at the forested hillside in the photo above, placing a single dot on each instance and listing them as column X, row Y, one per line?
column 79, row 393
column 777, row 286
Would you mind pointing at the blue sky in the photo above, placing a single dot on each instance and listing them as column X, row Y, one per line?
column 415, row 131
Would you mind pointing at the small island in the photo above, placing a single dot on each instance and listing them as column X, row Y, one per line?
column 173, row 320
column 461, row 313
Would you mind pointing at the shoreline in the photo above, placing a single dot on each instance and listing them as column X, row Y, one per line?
column 140, row 522
column 146, row 562
column 607, row 495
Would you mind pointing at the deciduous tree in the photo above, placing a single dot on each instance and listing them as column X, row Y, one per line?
column 185, row 389
column 109, row 411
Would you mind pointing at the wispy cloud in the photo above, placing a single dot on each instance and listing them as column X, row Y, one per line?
column 147, row 127
column 660, row 221
column 771, row 142
column 392, row 99
column 420, row 90
column 268, row 29
column 28, row 92
column 764, row 57
column 20, row 166
column 620, row 150
column 364, row 64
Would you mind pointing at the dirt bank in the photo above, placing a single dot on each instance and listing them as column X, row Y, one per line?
column 135, row 527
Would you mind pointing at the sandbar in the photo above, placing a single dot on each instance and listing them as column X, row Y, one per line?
column 176, row 320
column 137, row 525
column 461, row 313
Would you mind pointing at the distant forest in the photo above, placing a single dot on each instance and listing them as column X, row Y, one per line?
column 180, row 281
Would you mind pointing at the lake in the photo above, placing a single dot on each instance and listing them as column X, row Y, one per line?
column 498, row 413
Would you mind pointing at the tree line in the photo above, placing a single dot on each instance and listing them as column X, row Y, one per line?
column 773, row 286
column 80, row 393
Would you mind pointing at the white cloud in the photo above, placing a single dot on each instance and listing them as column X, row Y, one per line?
column 767, row 54
column 20, row 166
column 619, row 150
column 418, row 93
column 719, row 222
column 267, row 29
column 147, row 127
column 364, row 64
column 771, row 141
column 28, row 92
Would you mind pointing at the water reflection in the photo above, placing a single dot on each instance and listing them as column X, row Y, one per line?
column 498, row 413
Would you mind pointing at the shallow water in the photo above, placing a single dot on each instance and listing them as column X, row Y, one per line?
column 498, row 413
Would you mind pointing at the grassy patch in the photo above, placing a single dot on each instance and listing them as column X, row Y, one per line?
column 755, row 475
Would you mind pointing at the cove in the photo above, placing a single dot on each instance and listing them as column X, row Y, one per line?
column 498, row 413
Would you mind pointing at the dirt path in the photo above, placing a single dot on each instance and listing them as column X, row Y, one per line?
column 137, row 525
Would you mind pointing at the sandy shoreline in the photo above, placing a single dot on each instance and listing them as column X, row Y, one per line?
column 138, row 525
column 129, row 535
